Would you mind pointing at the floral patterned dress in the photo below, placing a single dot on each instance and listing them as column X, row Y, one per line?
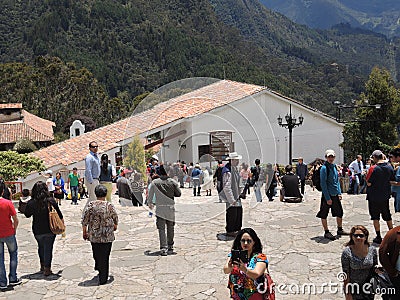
column 241, row 286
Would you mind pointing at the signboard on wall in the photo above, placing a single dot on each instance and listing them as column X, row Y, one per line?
column 221, row 144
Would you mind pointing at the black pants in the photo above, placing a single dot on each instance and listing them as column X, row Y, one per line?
column 101, row 255
column 270, row 192
column 303, row 183
column 234, row 217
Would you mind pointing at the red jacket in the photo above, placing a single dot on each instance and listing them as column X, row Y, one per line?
column 389, row 251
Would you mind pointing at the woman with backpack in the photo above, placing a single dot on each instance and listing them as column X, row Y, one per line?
column 247, row 279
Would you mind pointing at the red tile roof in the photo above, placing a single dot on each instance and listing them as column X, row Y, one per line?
column 30, row 127
column 10, row 105
column 185, row 106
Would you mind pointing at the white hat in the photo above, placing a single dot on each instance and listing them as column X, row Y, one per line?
column 155, row 157
column 330, row 152
column 234, row 155
column 49, row 172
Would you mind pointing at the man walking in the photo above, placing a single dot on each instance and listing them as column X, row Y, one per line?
column 165, row 189
column 356, row 168
column 258, row 177
column 331, row 196
column 8, row 228
column 379, row 192
column 302, row 172
column 231, row 195
column 92, row 172
column 73, row 181
column 218, row 177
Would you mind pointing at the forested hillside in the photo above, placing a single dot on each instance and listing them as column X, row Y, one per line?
column 381, row 16
column 100, row 54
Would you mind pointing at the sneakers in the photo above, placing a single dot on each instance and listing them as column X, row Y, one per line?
column 3, row 288
column 170, row 251
column 342, row 232
column 377, row 240
column 164, row 252
column 16, row 282
column 329, row 236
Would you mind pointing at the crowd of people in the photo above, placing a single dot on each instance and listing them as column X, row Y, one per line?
column 246, row 264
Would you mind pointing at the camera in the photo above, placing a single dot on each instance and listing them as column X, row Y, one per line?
column 238, row 288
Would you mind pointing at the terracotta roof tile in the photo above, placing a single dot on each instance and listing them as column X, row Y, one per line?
column 185, row 106
column 31, row 127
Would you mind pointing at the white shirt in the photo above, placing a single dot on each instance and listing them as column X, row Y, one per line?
column 50, row 184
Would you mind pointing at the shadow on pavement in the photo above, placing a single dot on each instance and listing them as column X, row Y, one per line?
column 95, row 281
column 224, row 237
column 39, row 276
column 150, row 253
column 321, row 240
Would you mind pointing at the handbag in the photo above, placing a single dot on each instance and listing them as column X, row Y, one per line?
column 56, row 224
column 376, row 284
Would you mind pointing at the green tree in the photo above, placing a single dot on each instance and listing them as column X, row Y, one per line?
column 14, row 165
column 135, row 156
column 377, row 117
column 24, row 146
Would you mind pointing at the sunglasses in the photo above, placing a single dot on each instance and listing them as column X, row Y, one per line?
column 94, row 146
column 249, row 241
column 359, row 235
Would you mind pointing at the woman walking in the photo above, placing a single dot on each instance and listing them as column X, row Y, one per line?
column 100, row 220
column 59, row 190
column 38, row 207
column 359, row 260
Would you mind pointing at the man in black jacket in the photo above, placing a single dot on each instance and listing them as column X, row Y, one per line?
column 290, row 185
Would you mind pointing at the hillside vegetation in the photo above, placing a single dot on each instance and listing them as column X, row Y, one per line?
column 93, row 57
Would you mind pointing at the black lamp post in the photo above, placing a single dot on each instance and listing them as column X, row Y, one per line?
column 290, row 124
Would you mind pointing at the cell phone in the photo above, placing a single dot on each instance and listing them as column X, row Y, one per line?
column 239, row 254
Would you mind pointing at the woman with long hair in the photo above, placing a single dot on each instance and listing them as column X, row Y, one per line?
column 246, row 277
column 38, row 207
column 59, row 190
column 106, row 175
column 359, row 259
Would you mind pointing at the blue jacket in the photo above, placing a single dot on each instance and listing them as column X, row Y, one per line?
column 330, row 185
column 61, row 184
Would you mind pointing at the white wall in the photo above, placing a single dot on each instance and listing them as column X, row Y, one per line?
column 258, row 135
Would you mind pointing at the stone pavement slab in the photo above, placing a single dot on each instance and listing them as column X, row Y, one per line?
column 300, row 258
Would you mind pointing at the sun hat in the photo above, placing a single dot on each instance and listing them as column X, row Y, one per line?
column 330, row 152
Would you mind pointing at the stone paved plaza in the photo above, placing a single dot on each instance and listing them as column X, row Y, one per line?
column 291, row 235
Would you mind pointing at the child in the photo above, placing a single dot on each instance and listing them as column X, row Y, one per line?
column 23, row 200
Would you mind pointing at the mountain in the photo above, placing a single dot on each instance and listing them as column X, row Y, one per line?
column 381, row 16
column 131, row 47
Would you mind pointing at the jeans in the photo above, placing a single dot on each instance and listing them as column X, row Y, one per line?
column 302, row 185
column 356, row 183
column 101, row 255
column 257, row 191
column 166, row 241
column 45, row 248
column 74, row 193
column 11, row 243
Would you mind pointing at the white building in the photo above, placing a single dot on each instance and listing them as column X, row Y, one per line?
column 183, row 125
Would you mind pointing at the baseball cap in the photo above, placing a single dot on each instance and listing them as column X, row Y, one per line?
column 330, row 152
column 377, row 153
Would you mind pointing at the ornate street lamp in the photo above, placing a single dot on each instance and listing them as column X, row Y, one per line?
column 291, row 123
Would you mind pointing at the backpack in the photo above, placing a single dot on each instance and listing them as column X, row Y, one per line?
column 316, row 178
column 255, row 175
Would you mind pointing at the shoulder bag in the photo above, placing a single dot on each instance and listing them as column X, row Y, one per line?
column 56, row 224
